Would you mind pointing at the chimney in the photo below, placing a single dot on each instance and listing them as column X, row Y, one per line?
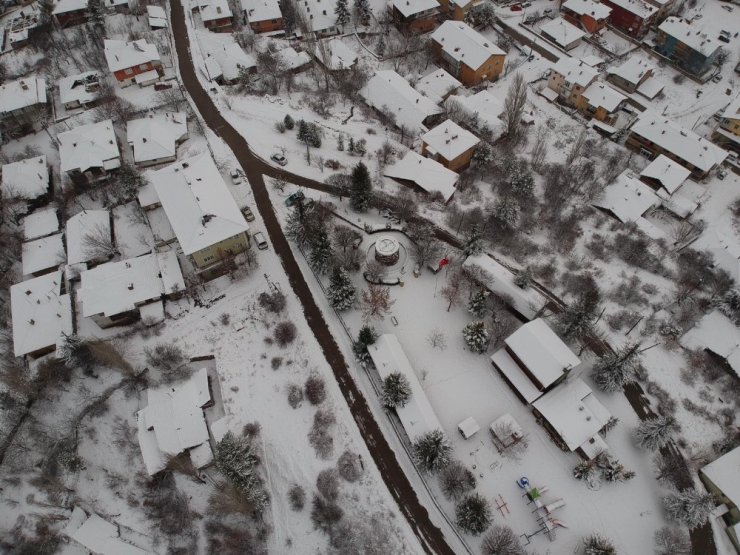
column 130, row 286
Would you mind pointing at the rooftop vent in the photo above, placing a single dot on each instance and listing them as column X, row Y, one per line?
column 130, row 286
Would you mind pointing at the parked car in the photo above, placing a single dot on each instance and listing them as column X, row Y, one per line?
column 259, row 239
column 294, row 197
column 162, row 86
column 721, row 174
column 279, row 159
column 248, row 214
column 717, row 78
column 728, row 8
column 236, row 177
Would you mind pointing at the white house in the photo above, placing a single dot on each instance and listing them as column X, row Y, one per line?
column 340, row 56
column 426, row 174
column 665, row 173
column 89, row 152
column 87, row 234
column 437, row 85
column 20, row 102
column 717, row 334
column 41, row 313
column 627, row 199
column 157, row 17
column 155, row 137
column 320, row 16
column 128, row 60
column 721, row 479
column 483, row 105
column 225, row 60
column 26, row 180
column 98, row 536
column 566, row 35
column 43, row 255
column 79, row 91
column 40, row 223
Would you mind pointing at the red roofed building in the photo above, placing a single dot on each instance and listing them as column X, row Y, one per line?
column 633, row 17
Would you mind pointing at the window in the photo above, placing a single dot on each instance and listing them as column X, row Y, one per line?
column 128, row 71
column 144, row 67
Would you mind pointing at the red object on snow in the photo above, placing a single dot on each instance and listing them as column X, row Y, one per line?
column 516, row 8
column 444, row 262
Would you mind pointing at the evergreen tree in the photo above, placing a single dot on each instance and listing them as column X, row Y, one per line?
column 340, row 142
column 473, row 514
column 729, row 305
column 367, row 336
column 506, row 213
column 97, row 16
column 362, row 12
column 310, row 135
column 596, row 544
column 484, row 156
column 586, row 471
column 613, row 371
column 610, row 425
column 361, row 191
column 476, row 336
column 304, row 225
column 689, row 507
column 75, row 352
column 612, row 470
column 456, row 481
column 521, row 182
column 474, row 243
column 342, row 12
column 524, row 278
column 236, row 460
column 341, row 291
column 361, row 147
column 432, row 451
column 351, row 147
column 654, row 433
column 289, row 121
column 577, row 319
column 396, row 390
column 477, row 304
column 321, row 252
column 501, row 540
column 381, row 46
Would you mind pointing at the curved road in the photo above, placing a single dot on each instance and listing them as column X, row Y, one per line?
column 432, row 539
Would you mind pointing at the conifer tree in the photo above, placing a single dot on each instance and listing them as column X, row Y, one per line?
column 342, row 12
column 689, row 507
column 577, row 319
column 321, row 252
column 237, row 461
column 361, row 191
column 362, row 12
column 476, row 336
column 474, row 244
column 432, row 451
column 477, row 305
column 341, row 291
column 396, row 390
column 97, row 17
column 367, row 336
column 473, row 514
column 654, row 433
column 289, row 121
column 616, row 369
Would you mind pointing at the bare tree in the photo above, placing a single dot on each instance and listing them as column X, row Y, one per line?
column 98, row 243
column 577, row 148
column 376, row 302
column 539, row 151
column 451, row 291
column 516, row 98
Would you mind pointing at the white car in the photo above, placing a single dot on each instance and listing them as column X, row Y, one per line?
column 259, row 238
column 279, row 159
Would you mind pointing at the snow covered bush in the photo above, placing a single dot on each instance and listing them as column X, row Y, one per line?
column 729, row 305
column 612, row 470
column 236, row 460
column 506, row 213
column 456, row 480
column 477, row 304
column 689, row 507
column 285, row 333
column 168, row 358
column 349, row 466
column 672, row 541
column 476, row 336
column 501, row 540
column 272, row 302
column 341, row 292
column 367, row 336
column 396, row 390
column 473, row 514
column 586, row 471
column 295, row 395
column 315, row 389
column 654, row 433
column 297, row 497
column 325, row 514
column 432, row 451
column 596, row 544
column 613, row 371
column 524, row 278
column 288, row 121
column 474, row 243
column 327, row 482
column 319, row 436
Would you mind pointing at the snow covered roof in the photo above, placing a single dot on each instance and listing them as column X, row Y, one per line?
column 261, row 10
column 229, row 56
column 503, row 360
column 437, row 85
column 412, row 7
column 575, row 71
column 320, row 16
column 724, row 473
column 627, row 198
column 82, row 88
column 211, row 10
column 65, row 6
column 198, row 204
column 592, row 60
column 341, row 56
column 718, row 334
column 670, row 174
column 40, row 223
column 79, row 226
column 641, row 9
column 574, row 412
column 41, row 314
column 733, row 109
column 679, row 141
column 690, row 34
column 449, row 140
column 500, row 281
column 417, row 415
column 464, row 44
column 562, row 32
column 428, row 174
column 93, row 145
column 99, row 536
column 173, row 421
column 42, row 254
column 591, row 8
column 651, row 88
column 632, row 70
column 544, row 354
column 116, row 287
column 123, row 55
column 601, row 95
column 724, row 248
column 22, row 93
column 27, row 179
column 146, row 78
column 485, row 105
column 156, row 12
column 292, row 59
column 390, row 93
column 156, row 136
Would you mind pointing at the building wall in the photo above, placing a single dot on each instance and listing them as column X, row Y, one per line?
column 683, row 55
column 267, row 26
column 626, row 85
column 585, row 22
column 221, row 251
column 455, row 11
column 422, row 23
column 627, row 22
column 222, row 25
column 68, row 19
column 601, row 114
column 490, row 70
column 127, row 76
column 731, row 125
column 637, row 142
column 572, row 94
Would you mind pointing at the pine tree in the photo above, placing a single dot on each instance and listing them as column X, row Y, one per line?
column 236, row 460
column 76, row 353
column 484, row 155
column 362, row 12
column 477, row 304
column 361, row 147
column 654, row 433
column 289, row 121
column 521, row 181
column 577, row 319
column 610, row 425
column 586, row 471
column 596, row 544
column 476, row 336
column 501, row 540
column 506, row 212
column 340, row 142
column 342, row 12
column 689, row 507
column 367, row 336
column 729, row 305
column 524, row 278
column 474, row 243
column 351, row 147
column 432, row 451
column 613, row 371
column 321, row 252
column 97, row 17
column 361, row 191
column 396, row 390
column 473, row 514
column 341, row 291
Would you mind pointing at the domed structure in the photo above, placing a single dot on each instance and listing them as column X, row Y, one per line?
column 387, row 250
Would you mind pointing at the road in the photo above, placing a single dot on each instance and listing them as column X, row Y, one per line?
column 431, row 538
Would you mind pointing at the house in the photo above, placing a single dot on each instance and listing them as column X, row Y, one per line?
column 721, row 243
column 216, row 15
column 603, row 102
column 627, row 199
column 70, row 12
column 339, row 56
column 589, row 15
column 263, row 16
column 79, row 91
column 424, row 174
column 534, row 360
column 499, row 280
column 88, row 153
column 89, row 238
column 437, row 85
column 665, row 8
column 566, row 35
column 458, row 9
column 632, row 17
column 630, row 75
column 652, row 135
column 574, row 416
column 226, row 61
column 41, row 313
column 154, row 138
column 204, row 216
column 721, row 480
column 26, row 181
column 417, row 416
column 728, row 132
column 687, row 45
column 717, row 334
column 293, row 60
column 664, row 173
column 174, row 422
column 569, row 78
column 415, row 16
column 466, row 54
column 320, row 17
column 118, row 293
column 450, row 145
column 117, row 6
column 23, row 24
column 43, row 255
column 22, row 102
column 40, row 223
column 98, row 536
column 128, row 60
column 157, row 17
column 484, row 107
column 389, row 93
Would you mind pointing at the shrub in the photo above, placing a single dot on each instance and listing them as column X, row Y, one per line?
column 672, row 541
column 396, row 390
column 276, row 362
column 295, row 395
column 596, row 544
column 349, row 466
column 272, row 302
column 327, row 483
column 315, row 389
column 456, row 480
column 319, row 436
column 432, row 451
column 288, row 121
column 285, row 333
column 501, row 540
column 297, row 497
column 325, row 514
column 473, row 514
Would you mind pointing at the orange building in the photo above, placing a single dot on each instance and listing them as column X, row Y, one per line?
column 127, row 60
column 416, row 16
column 264, row 16
column 466, row 54
column 458, row 9
column 450, row 145
column 589, row 15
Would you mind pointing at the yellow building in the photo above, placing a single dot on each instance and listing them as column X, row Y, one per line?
column 570, row 78
column 728, row 132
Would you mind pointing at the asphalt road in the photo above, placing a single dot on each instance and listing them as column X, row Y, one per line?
column 432, row 539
